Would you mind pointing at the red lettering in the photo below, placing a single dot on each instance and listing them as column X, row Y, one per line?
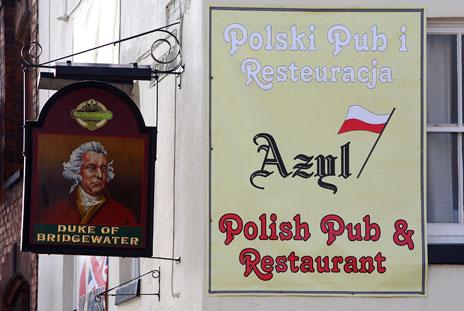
column 328, row 226
column 322, row 268
column 254, row 230
column 369, row 227
column 281, row 264
column 402, row 235
column 272, row 226
column 267, row 264
column 264, row 267
column 301, row 226
column 262, row 220
column 380, row 259
column 354, row 236
column 293, row 258
column 226, row 225
column 335, row 261
column 266, row 229
column 350, row 264
column 285, row 231
column 364, row 261
column 250, row 257
column 307, row 264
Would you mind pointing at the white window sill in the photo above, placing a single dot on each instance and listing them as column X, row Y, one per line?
column 444, row 233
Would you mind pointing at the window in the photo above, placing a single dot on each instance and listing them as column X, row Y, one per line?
column 129, row 268
column 445, row 129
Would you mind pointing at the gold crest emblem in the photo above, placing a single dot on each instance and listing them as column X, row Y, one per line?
column 91, row 114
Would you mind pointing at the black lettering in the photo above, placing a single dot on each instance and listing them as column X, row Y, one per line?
column 274, row 159
column 326, row 167
column 299, row 167
column 345, row 156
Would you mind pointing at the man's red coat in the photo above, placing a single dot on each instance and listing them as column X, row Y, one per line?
column 111, row 213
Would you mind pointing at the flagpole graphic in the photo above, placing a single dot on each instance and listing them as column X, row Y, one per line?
column 359, row 118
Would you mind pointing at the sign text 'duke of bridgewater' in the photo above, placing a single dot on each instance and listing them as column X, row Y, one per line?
column 316, row 163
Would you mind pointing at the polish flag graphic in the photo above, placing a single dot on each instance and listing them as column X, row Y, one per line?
column 359, row 118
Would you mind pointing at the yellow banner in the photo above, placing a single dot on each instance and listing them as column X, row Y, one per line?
column 317, row 137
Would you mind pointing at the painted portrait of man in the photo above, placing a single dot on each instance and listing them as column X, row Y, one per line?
column 89, row 200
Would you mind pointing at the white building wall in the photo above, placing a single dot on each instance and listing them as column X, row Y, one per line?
column 55, row 275
column 55, row 35
column 181, row 185
column 49, row 295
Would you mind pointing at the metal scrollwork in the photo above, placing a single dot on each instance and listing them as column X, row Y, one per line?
column 30, row 53
column 155, row 274
column 166, row 53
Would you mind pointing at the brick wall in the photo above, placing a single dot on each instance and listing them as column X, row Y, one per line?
column 18, row 270
column 11, row 82
column 13, row 263
column 19, row 25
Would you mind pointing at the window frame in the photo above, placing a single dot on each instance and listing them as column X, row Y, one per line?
column 132, row 289
column 448, row 234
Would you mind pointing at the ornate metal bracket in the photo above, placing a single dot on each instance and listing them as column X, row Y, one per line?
column 165, row 52
column 30, row 53
column 155, row 274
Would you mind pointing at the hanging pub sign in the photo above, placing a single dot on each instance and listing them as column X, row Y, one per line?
column 317, row 152
column 89, row 168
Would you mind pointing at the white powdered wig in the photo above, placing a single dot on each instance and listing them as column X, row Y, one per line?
column 72, row 168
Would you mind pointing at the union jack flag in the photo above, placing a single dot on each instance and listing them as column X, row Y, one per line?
column 96, row 282
column 92, row 282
